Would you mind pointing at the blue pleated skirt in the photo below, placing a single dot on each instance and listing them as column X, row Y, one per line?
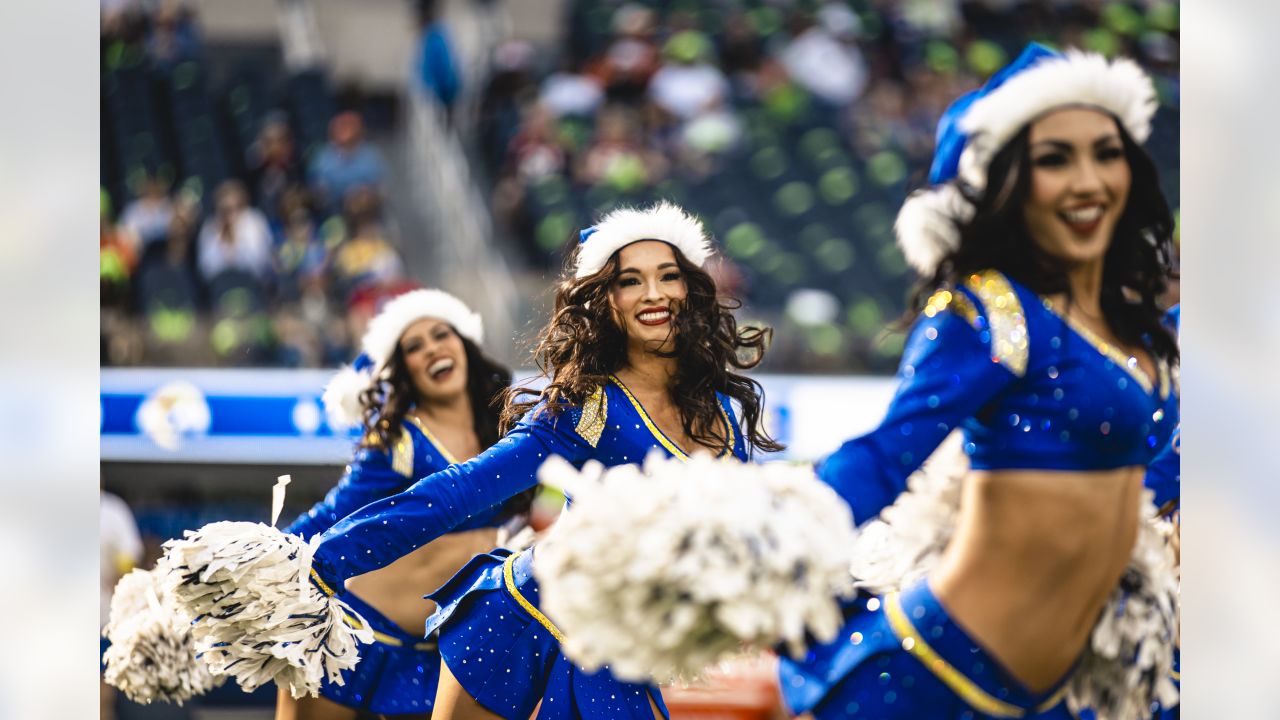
column 506, row 654
column 397, row 672
column 901, row 657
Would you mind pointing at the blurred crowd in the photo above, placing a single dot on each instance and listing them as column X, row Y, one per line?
column 248, row 225
column 795, row 129
column 270, row 249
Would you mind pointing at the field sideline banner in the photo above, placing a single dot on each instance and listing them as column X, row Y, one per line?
column 272, row 416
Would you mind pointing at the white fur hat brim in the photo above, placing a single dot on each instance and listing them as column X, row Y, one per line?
column 663, row 221
column 341, row 398
column 398, row 314
column 1077, row 78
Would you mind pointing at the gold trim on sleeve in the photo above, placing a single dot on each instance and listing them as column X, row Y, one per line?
column 1010, row 345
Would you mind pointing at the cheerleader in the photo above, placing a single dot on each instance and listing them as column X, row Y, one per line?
column 1043, row 245
column 639, row 356
column 426, row 397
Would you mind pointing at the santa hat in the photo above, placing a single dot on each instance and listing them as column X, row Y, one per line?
column 342, row 395
column 662, row 221
column 979, row 123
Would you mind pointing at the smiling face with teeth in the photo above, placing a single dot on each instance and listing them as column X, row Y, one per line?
column 435, row 359
column 647, row 294
column 1080, row 180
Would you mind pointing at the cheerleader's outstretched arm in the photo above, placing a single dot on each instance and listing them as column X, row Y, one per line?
column 369, row 477
column 949, row 371
column 381, row 532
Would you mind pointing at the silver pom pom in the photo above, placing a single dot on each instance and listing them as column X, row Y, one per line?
column 257, row 615
column 664, row 571
column 152, row 654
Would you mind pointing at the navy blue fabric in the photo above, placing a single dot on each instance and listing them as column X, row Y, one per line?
column 389, row 679
column 1073, row 408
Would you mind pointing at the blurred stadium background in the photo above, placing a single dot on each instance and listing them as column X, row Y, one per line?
column 271, row 171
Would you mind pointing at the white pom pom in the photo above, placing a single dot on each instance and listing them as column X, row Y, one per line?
column 257, row 615
column 1128, row 663
column 927, row 228
column 663, row 572
column 152, row 654
column 341, row 398
column 902, row 545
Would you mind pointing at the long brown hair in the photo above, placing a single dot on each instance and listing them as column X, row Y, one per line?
column 583, row 345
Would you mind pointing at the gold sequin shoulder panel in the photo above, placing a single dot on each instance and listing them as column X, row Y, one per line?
column 1005, row 319
column 595, row 412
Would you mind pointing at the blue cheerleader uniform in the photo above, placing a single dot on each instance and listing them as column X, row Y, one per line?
column 398, row 672
column 503, row 650
column 1029, row 388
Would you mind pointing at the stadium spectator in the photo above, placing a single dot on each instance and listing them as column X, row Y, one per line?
column 117, row 257
column 630, row 60
column 687, row 84
column 173, row 37
column 366, row 257
column 346, row 162
column 236, row 236
column 273, row 165
column 437, row 69
column 147, row 216
column 823, row 57
column 619, row 156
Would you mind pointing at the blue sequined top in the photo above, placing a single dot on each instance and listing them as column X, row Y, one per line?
column 376, row 473
column 1029, row 388
column 611, row 427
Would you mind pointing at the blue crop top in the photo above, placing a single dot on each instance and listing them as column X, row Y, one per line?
column 1029, row 388
column 610, row 427
column 375, row 473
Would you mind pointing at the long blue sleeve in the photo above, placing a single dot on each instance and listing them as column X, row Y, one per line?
column 948, row 373
column 379, row 533
column 369, row 477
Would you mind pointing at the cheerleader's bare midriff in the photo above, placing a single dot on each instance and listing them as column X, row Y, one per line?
column 1035, row 555
column 423, row 570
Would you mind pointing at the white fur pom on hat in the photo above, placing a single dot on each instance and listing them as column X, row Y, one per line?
column 662, row 221
column 342, row 395
column 926, row 227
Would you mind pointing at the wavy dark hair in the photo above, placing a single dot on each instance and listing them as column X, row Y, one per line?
column 1136, row 267
column 387, row 403
column 583, row 345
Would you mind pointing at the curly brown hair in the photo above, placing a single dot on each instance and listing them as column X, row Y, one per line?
column 583, row 345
